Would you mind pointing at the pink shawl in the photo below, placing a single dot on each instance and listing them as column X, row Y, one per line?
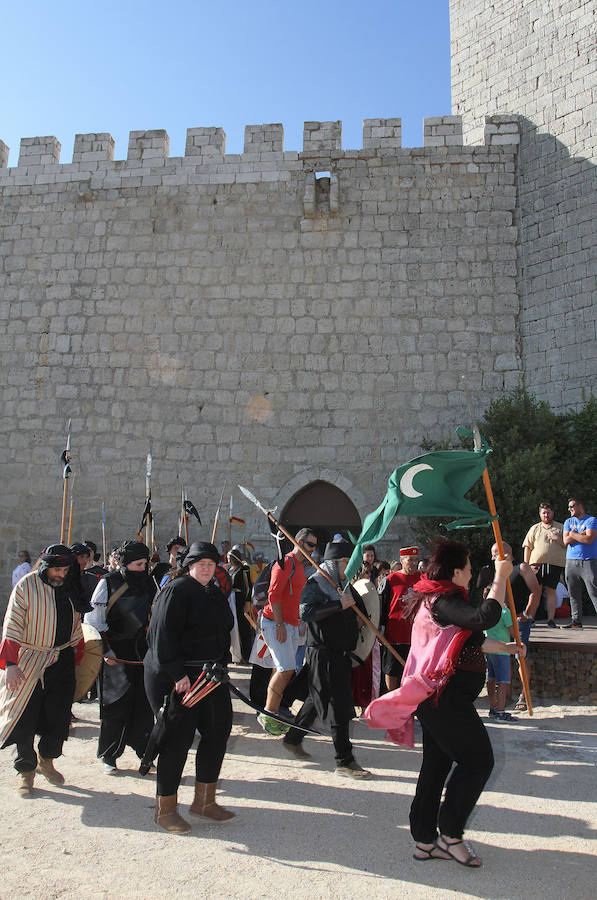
column 431, row 662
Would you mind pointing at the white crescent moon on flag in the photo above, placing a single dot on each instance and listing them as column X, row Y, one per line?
column 406, row 482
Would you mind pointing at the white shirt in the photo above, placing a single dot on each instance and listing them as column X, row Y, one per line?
column 21, row 570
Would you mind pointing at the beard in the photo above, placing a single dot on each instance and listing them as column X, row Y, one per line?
column 55, row 582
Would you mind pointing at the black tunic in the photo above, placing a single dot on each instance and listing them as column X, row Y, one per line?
column 332, row 635
column 190, row 625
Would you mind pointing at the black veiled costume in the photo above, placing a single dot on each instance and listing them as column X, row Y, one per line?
column 332, row 635
column 126, row 716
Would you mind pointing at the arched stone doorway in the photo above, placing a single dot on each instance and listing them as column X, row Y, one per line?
column 324, row 508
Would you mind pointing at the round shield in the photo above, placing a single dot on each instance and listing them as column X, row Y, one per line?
column 370, row 599
column 87, row 670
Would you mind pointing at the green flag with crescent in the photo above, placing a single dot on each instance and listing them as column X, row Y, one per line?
column 430, row 485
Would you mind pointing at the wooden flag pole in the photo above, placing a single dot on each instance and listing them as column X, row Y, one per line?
column 497, row 533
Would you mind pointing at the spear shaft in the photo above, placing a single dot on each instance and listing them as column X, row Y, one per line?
column 184, row 517
column 104, row 532
column 147, row 500
column 355, row 608
column 70, row 514
column 217, row 516
column 66, row 457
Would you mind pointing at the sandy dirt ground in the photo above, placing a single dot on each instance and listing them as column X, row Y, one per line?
column 301, row 831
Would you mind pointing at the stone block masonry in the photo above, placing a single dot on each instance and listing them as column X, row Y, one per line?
column 536, row 59
column 270, row 318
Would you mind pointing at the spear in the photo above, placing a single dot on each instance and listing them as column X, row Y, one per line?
column 149, row 517
column 217, row 516
column 66, row 472
column 497, row 533
column 230, row 522
column 104, row 533
column 287, row 534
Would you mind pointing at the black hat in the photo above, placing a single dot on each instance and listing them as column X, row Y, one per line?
column 80, row 549
column 57, row 555
column 338, row 550
column 93, row 547
column 175, row 541
column 130, row 551
column 201, row 550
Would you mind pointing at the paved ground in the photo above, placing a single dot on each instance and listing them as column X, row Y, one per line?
column 561, row 637
column 301, row 831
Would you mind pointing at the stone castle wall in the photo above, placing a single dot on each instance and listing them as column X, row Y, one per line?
column 270, row 318
column 537, row 59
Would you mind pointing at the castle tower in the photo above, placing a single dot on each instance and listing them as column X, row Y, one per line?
column 536, row 59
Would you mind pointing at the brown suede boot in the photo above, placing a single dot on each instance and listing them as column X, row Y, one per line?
column 205, row 806
column 46, row 768
column 25, row 788
column 166, row 815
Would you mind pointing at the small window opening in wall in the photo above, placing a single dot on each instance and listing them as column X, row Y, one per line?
column 319, row 175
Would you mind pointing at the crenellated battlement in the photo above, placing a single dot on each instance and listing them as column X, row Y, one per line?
column 263, row 147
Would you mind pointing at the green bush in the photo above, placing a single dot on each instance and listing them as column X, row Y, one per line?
column 537, row 455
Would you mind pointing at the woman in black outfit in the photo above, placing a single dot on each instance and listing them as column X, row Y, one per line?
column 452, row 729
column 190, row 625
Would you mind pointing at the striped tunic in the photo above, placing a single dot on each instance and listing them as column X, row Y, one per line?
column 28, row 639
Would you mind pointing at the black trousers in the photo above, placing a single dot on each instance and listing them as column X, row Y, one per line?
column 453, row 735
column 211, row 717
column 340, row 733
column 127, row 721
column 47, row 714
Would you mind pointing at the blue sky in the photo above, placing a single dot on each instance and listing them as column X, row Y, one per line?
column 76, row 67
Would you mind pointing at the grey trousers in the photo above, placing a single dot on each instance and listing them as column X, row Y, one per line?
column 579, row 572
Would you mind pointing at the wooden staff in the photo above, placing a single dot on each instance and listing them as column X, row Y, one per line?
column 184, row 517
column 66, row 458
column 104, row 533
column 497, row 533
column 70, row 514
column 217, row 516
column 230, row 523
column 361, row 615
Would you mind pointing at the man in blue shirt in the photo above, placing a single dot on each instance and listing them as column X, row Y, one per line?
column 580, row 540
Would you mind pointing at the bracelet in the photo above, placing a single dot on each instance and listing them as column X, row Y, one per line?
column 279, row 624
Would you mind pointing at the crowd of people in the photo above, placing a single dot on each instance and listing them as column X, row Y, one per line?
column 167, row 632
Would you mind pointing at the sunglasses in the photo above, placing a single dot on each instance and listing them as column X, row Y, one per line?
column 309, row 544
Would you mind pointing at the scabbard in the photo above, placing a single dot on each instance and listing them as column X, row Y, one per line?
column 266, row 712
